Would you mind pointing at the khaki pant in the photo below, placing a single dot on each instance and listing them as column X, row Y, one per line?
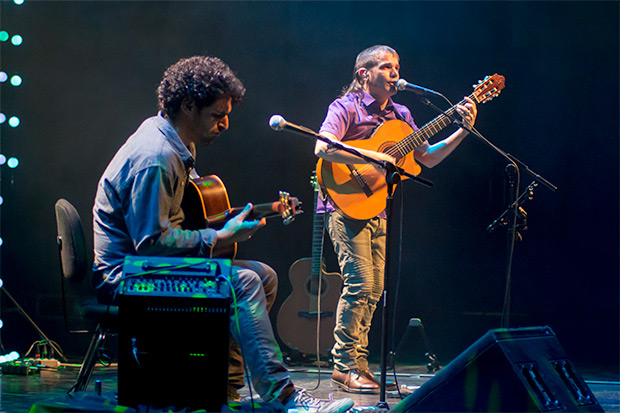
column 360, row 248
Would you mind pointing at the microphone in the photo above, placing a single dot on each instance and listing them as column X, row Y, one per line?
column 277, row 123
column 402, row 84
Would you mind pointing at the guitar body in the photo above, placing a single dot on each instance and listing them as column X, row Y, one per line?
column 360, row 191
column 297, row 317
column 205, row 197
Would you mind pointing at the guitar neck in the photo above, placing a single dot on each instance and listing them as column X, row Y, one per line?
column 317, row 240
column 422, row 135
column 259, row 211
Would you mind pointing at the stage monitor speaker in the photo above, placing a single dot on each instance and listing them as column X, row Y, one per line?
column 174, row 333
column 506, row 370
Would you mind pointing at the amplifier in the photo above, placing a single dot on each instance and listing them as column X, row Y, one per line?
column 176, row 277
column 174, row 317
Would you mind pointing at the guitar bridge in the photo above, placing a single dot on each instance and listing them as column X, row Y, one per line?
column 357, row 176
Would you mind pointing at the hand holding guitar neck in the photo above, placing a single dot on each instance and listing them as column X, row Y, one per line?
column 206, row 205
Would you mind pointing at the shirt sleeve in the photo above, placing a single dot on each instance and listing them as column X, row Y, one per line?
column 148, row 208
column 337, row 119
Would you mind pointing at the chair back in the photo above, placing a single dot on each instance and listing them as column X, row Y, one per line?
column 75, row 265
column 74, row 262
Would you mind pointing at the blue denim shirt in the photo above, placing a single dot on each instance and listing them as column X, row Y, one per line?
column 137, row 208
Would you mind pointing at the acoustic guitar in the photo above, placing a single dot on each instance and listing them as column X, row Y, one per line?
column 206, row 205
column 300, row 313
column 359, row 191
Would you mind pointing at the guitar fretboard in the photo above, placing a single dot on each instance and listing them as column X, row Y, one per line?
column 417, row 138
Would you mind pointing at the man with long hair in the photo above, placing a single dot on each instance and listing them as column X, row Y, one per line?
column 360, row 244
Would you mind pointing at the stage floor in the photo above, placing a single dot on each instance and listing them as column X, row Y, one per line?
column 20, row 393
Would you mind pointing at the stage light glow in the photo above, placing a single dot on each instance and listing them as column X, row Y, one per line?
column 2, row 118
column 17, row 40
column 12, row 162
column 2, row 159
column 3, row 77
column 4, row 36
column 12, row 356
column 1, row 241
column 16, row 80
column 14, row 121
column 18, row 2
column 1, row 202
column 1, row 323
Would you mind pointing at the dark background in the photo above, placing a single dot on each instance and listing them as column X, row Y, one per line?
column 90, row 70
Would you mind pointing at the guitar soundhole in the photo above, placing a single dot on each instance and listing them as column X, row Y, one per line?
column 312, row 288
column 385, row 148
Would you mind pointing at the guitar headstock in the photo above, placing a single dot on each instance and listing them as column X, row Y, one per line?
column 314, row 181
column 488, row 88
column 289, row 207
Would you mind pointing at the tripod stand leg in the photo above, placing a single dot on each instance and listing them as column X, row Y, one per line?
column 90, row 360
column 36, row 327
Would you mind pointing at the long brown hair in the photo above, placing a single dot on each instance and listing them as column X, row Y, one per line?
column 367, row 59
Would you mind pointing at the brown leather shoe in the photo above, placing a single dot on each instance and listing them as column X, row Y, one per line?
column 353, row 381
column 389, row 385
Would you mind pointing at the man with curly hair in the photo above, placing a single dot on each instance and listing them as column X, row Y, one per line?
column 137, row 211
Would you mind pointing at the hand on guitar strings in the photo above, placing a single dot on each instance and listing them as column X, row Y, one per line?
column 468, row 112
column 237, row 229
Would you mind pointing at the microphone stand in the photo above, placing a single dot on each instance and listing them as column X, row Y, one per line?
column 513, row 210
column 392, row 177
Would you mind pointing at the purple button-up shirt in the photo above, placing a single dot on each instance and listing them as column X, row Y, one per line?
column 354, row 117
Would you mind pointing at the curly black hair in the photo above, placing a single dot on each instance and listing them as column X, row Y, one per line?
column 201, row 79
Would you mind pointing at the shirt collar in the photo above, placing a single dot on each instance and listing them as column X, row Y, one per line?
column 188, row 155
column 368, row 101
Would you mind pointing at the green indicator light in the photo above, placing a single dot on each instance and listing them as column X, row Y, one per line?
column 4, row 36
column 144, row 287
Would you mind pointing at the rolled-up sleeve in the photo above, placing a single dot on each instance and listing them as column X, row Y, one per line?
column 337, row 120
